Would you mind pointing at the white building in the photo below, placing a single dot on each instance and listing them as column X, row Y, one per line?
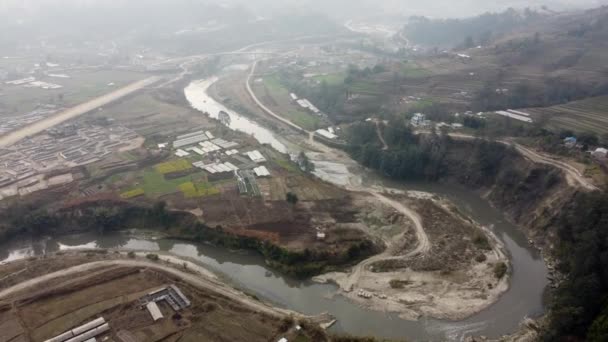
column 326, row 134
column 256, row 156
column 418, row 120
column 600, row 152
column 154, row 311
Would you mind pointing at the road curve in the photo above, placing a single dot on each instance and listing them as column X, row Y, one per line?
column 263, row 107
column 540, row 158
column 423, row 245
column 73, row 112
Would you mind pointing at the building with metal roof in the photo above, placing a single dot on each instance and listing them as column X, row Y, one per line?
column 154, row 311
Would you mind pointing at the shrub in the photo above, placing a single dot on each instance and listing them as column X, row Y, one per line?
column 481, row 241
column 481, row 258
column 131, row 255
column 500, row 269
column 153, row 257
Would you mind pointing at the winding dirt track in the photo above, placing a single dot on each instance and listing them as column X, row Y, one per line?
column 423, row 245
column 198, row 281
column 536, row 157
column 266, row 109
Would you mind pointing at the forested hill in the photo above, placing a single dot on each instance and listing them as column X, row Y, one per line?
column 469, row 32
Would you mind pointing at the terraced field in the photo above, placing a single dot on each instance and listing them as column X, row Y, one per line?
column 590, row 115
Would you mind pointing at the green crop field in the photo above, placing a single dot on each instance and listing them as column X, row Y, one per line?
column 153, row 183
column 173, row 166
column 331, row 79
column 133, row 193
column 284, row 106
column 412, row 70
column 365, row 87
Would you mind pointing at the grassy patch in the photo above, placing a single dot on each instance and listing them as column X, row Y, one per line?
column 302, row 338
column 366, row 87
column 80, row 87
column 155, row 184
column 331, row 79
column 287, row 165
column 302, row 119
column 413, row 71
column 133, row 193
column 281, row 96
column 173, row 166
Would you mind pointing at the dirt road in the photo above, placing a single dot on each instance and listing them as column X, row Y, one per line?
column 422, row 247
column 199, row 281
column 572, row 173
column 423, row 240
column 73, row 112
column 380, row 136
column 266, row 109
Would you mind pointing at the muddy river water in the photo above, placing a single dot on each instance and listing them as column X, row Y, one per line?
column 247, row 270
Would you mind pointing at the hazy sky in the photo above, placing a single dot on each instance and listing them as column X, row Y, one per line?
column 337, row 8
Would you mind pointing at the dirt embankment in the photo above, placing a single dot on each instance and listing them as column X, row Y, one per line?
column 530, row 194
column 462, row 270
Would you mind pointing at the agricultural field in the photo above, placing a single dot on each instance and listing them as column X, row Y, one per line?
column 589, row 115
column 199, row 189
column 133, row 193
column 173, row 166
column 154, row 184
column 276, row 96
column 113, row 292
column 331, row 79
column 413, row 70
column 82, row 86
column 156, row 115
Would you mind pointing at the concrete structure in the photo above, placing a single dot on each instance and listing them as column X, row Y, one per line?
column 514, row 116
column 154, row 311
column 600, row 152
column 418, row 120
column 171, row 294
column 84, row 332
column 256, row 156
column 224, row 144
column 190, row 140
column 208, row 147
column 326, row 134
column 189, row 135
column 181, row 153
column 261, row 171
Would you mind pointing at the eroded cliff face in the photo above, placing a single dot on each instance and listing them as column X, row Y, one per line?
column 531, row 195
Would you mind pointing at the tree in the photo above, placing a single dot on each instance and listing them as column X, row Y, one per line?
column 305, row 164
column 469, row 42
column 292, row 198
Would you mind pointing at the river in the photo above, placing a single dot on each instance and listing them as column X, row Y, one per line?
column 247, row 270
